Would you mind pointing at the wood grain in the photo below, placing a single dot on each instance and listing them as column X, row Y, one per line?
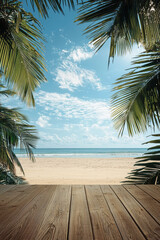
column 80, row 225
column 125, row 223
column 149, row 203
column 104, row 226
column 56, row 216
column 27, row 221
column 146, row 223
column 53, row 212
column 10, row 209
column 3, row 188
column 152, row 190
column 12, row 192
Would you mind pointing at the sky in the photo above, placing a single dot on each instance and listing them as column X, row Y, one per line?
column 73, row 106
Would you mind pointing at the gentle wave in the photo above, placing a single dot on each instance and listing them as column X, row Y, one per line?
column 83, row 155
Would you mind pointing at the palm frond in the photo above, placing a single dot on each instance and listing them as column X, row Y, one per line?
column 136, row 102
column 15, row 132
column 5, row 92
column 57, row 5
column 149, row 163
column 21, row 47
column 124, row 22
column 7, row 177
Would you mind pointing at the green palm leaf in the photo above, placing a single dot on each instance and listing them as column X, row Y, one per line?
column 14, row 132
column 56, row 5
column 21, row 50
column 7, row 177
column 136, row 102
column 149, row 171
column 124, row 22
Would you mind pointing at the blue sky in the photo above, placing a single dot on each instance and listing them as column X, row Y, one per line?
column 73, row 107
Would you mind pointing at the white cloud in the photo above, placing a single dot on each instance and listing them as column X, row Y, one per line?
column 80, row 53
column 100, row 134
column 45, row 137
column 64, row 51
column 66, row 106
column 68, row 127
column 43, row 121
column 56, row 139
column 88, row 134
column 66, row 39
column 70, row 76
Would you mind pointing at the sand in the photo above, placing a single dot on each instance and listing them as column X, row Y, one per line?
column 76, row 170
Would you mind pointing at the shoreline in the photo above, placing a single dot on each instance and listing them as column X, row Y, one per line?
column 76, row 170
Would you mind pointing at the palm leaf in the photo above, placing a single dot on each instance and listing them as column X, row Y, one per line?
column 15, row 132
column 7, row 177
column 56, row 5
column 149, row 167
column 21, row 50
column 136, row 102
column 124, row 22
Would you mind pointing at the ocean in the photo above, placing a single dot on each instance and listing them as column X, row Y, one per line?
column 84, row 152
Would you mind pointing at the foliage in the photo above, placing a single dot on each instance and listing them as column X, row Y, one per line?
column 124, row 22
column 7, row 177
column 149, row 166
column 56, row 5
column 21, row 49
column 136, row 101
column 14, row 132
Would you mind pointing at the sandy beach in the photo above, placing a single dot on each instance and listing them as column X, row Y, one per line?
column 76, row 170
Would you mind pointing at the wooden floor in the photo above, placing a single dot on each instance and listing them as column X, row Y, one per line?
column 79, row 212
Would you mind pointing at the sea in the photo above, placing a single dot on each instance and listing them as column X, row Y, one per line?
column 83, row 152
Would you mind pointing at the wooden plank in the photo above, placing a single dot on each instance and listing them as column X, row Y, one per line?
column 152, row 190
column 12, row 207
column 149, row 203
column 12, row 193
column 4, row 188
column 125, row 223
column 56, row 217
column 26, row 223
column 146, row 223
column 80, row 225
column 104, row 226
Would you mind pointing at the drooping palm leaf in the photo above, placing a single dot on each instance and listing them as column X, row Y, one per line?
column 149, row 166
column 7, row 177
column 56, row 5
column 21, row 49
column 136, row 102
column 124, row 22
column 15, row 132
column 6, row 92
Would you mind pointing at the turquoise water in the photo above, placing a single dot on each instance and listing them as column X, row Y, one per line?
column 84, row 152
